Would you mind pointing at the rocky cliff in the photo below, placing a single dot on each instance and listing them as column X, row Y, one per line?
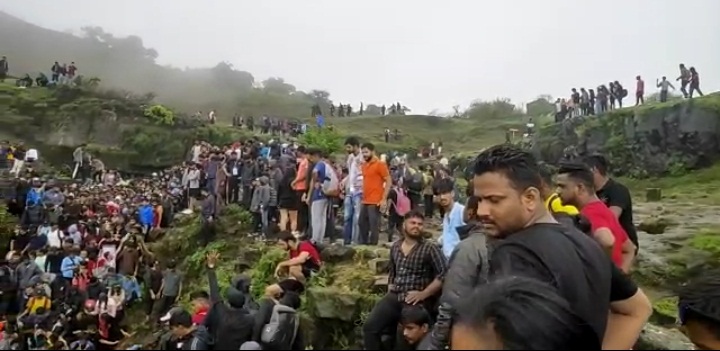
column 649, row 140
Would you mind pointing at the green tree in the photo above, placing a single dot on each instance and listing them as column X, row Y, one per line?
column 160, row 114
column 325, row 139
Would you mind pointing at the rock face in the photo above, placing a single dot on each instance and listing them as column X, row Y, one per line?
column 655, row 139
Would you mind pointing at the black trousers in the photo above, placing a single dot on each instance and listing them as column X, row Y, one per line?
column 383, row 320
column 429, row 205
column 207, row 232
column 233, row 190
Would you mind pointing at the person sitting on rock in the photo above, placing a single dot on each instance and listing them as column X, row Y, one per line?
column 699, row 311
column 304, row 258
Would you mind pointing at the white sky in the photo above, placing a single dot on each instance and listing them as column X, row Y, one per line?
column 426, row 54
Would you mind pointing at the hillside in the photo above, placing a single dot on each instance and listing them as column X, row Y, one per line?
column 125, row 63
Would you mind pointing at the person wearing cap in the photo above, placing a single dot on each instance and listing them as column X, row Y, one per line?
column 187, row 335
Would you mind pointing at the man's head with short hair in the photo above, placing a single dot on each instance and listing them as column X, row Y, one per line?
column 415, row 321
column 180, row 323
column 699, row 310
column 507, row 182
column 352, row 145
column 314, row 154
column 287, row 241
column 368, row 151
column 413, row 224
column 575, row 184
column 599, row 166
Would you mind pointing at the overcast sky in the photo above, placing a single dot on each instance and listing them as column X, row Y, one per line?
column 426, row 54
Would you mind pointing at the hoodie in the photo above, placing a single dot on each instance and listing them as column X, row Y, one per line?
column 201, row 339
column 468, row 268
column 230, row 324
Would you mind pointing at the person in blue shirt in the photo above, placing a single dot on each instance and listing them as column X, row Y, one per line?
column 68, row 265
column 318, row 200
column 146, row 216
column 453, row 215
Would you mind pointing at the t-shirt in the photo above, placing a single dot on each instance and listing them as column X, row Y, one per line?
column 305, row 246
column 172, row 280
column 600, row 216
column 319, row 169
column 32, row 154
column 569, row 260
column 36, row 302
column 616, row 194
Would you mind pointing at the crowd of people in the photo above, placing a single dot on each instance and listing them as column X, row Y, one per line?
column 587, row 102
column 522, row 244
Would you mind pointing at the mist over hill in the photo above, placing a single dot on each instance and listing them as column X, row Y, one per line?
column 125, row 63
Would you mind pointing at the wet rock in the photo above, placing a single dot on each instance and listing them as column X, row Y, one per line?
column 335, row 253
column 331, row 303
column 659, row 338
column 379, row 265
column 655, row 225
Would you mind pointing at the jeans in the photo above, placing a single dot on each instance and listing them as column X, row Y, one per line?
column 264, row 219
column 351, row 215
column 318, row 219
column 369, row 224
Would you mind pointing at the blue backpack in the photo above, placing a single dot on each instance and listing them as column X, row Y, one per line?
column 34, row 197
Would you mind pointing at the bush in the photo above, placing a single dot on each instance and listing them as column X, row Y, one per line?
column 327, row 140
column 160, row 114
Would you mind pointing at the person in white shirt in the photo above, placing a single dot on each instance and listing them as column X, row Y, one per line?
column 55, row 237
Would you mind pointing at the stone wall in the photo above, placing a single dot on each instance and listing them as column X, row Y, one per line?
column 650, row 140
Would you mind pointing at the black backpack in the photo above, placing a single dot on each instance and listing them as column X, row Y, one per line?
column 281, row 331
column 414, row 182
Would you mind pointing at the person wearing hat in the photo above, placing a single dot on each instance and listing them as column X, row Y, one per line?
column 187, row 335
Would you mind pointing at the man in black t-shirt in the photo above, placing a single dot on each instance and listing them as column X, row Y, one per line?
column 615, row 196
column 507, row 181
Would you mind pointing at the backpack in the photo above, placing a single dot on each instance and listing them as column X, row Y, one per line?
column 402, row 205
column 564, row 218
column 415, row 181
column 34, row 197
column 331, row 184
column 280, row 332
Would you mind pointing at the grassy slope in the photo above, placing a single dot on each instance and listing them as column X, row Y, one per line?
column 457, row 135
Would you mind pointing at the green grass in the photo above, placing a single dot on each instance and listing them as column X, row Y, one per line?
column 457, row 135
column 699, row 186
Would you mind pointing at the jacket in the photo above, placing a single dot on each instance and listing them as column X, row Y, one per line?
column 200, row 340
column 468, row 268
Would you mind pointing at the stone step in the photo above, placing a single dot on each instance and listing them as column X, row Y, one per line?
column 381, row 283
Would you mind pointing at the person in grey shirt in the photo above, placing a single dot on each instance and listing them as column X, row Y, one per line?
column 171, row 287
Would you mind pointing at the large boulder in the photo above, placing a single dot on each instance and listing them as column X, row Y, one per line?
column 659, row 338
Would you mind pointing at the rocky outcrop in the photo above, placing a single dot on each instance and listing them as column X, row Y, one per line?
column 650, row 140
